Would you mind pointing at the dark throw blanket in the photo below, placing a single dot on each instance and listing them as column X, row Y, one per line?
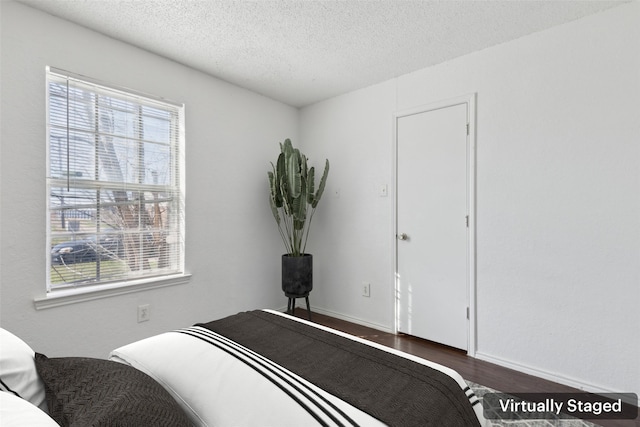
column 397, row 391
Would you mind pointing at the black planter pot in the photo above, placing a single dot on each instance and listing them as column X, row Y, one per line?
column 297, row 275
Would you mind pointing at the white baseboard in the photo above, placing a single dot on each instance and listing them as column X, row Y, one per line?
column 560, row 379
column 355, row 320
column 343, row 317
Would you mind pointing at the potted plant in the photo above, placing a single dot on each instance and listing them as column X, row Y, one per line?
column 293, row 199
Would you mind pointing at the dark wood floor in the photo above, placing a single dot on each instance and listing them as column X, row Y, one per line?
column 471, row 369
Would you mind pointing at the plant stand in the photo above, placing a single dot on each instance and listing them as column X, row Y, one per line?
column 291, row 304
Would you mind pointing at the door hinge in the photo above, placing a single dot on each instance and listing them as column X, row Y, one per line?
column 467, row 312
column 467, row 128
column 467, row 220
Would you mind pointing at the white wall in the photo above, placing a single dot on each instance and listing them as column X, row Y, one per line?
column 352, row 235
column 558, row 198
column 233, row 248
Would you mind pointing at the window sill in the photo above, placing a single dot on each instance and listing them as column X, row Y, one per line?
column 73, row 296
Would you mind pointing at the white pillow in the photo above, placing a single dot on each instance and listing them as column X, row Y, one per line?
column 19, row 413
column 184, row 366
column 18, row 375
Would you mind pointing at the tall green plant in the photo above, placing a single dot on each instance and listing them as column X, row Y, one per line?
column 293, row 196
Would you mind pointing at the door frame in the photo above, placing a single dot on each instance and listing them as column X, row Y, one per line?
column 470, row 101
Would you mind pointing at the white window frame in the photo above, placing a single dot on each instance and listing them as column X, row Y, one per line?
column 130, row 280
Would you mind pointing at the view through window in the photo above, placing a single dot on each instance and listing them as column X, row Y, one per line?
column 115, row 190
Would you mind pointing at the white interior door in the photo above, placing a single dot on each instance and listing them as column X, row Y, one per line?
column 432, row 225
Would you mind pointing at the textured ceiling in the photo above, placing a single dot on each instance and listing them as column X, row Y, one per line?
column 300, row 52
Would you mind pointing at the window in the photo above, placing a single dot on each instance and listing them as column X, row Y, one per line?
column 115, row 185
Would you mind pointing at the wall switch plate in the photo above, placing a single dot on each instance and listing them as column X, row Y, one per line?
column 143, row 313
column 366, row 290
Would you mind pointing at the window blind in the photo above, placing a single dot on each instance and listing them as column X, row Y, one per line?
column 115, row 190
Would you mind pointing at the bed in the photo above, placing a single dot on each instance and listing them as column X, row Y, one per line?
column 256, row 368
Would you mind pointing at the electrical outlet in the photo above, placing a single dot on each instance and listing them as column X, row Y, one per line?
column 144, row 313
column 366, row 290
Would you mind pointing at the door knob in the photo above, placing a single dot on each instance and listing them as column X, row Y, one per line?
column 403, row 236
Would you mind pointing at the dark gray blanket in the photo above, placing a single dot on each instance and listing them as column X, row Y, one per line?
column 397, row 391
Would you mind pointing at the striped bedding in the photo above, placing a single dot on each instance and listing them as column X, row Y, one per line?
column 309, row 398
column 222, row 376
